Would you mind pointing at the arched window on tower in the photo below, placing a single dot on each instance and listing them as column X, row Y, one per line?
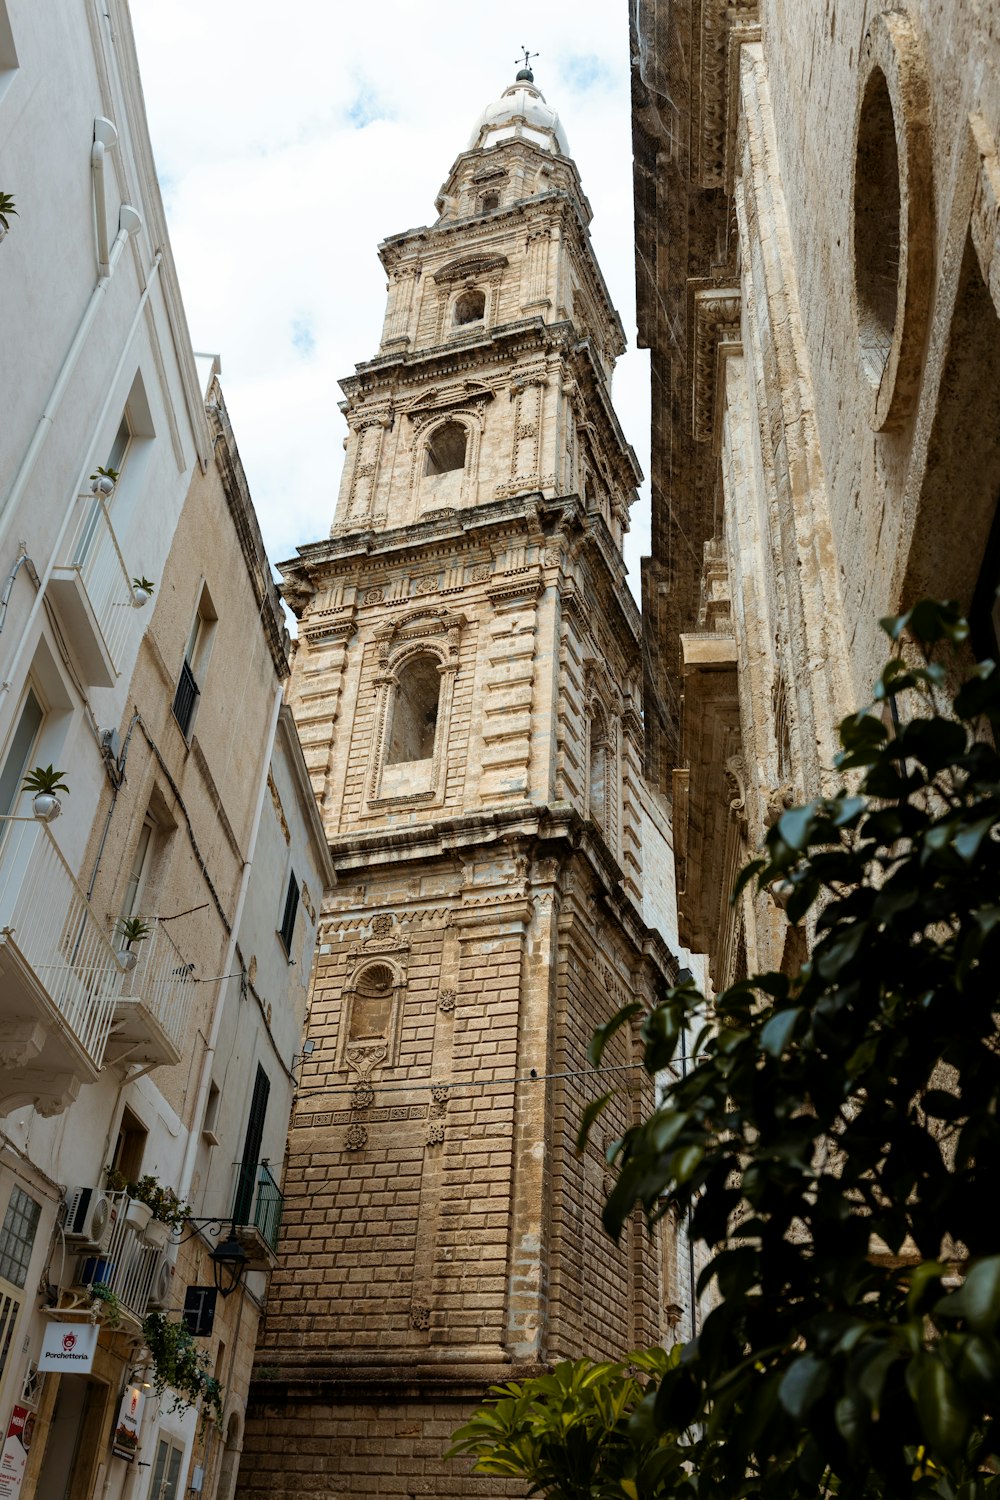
column 414, row 711
column 470, row 307
column 490, row 202
column 446, row 449
column 598, row 769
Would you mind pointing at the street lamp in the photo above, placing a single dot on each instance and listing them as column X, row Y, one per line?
column 229, row 1263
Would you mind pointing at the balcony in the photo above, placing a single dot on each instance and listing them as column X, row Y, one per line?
column 152, row 1004
column 257, row 1210
column 59, row 974
column 68, row 1006
column 127, row 1266
column 92, row 595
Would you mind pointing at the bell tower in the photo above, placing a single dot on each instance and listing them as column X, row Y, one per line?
column 467, row 688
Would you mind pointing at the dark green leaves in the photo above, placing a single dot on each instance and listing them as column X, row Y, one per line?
column 832, row 1141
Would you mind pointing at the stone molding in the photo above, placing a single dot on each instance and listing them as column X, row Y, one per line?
column 724, row 26
column 714, row 323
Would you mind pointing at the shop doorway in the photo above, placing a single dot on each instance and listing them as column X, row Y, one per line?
column 75, row 1439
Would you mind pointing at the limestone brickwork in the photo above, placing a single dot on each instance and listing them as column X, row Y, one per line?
column 816, row 196
column 440, row 1230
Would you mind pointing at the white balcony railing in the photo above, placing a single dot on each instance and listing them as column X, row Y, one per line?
column 45, row 915
column 91, row 592
column 96, row 556
column 161, row 980
column 125, row 1265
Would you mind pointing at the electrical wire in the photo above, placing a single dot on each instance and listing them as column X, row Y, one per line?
column 484, row 1085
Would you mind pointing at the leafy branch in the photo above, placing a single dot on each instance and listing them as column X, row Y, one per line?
column 836, row 1144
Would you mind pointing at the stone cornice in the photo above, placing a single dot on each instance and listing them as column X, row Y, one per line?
column 247, row 527
column 725, row 26
column 382, row 383
column 714, row 332
column 543, row 831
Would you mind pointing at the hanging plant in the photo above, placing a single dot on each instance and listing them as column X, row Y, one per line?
column 180, row 1367
column 109, row 1302
column 142, row 591
column 45, row 782
column 103, row 481
column 131, row 930
column 164, row 1202
column 7, row 211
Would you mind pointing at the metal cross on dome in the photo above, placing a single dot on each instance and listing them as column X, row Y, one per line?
column 527, row 59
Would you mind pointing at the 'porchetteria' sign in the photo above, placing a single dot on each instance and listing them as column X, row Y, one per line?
column 69, row 1347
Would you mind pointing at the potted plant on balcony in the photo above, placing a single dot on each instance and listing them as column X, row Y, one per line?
column 6, row 209
column 45, row 783
column 103, row 481
column 142, row 591
column 107, row 1303
column 166, row 1209
column 131, row 930
column 180, row 1366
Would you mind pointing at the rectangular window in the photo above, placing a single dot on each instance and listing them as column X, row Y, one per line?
column 166, row 1471
column 195, row 664
column 287, row 929
column 130, row 1146
column 8, row 52
column 17, row 761
column 140, row 868
column 10, row 1306
column 17, row 1237
column 246, row 1181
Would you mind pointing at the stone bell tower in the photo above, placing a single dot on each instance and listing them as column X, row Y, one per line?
column 467, row 688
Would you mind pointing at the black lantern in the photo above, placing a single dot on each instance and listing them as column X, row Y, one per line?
column 230, row 1262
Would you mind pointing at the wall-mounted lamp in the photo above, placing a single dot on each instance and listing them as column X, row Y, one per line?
column 229, row 1264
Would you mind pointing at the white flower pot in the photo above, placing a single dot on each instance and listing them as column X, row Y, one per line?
column 141, row 597
column 156, row 1234
column 46, row 806
column 138, row 1214
column 128, row 958
column 102, row 485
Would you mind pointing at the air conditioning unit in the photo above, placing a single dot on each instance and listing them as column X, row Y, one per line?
column 90, row 1218
column 162, row 1285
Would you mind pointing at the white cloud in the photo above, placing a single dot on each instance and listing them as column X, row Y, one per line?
column 291, row 140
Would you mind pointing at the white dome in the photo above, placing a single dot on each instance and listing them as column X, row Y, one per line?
column 521, row 111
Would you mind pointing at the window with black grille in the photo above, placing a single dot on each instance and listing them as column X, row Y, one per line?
column 287, row 929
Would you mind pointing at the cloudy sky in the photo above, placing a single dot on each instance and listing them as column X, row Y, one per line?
column 287, row 151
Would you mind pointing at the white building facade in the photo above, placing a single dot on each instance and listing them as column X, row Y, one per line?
column 143, row 655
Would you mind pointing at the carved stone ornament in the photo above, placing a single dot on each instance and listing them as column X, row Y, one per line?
column 435, row 1135
column 362, row 1096
column 382, row 925
column 735, row 772
column 480, row 573
column 426, row 586
column 356, row 1137
column 778, row 802
column 439, row 1093
column 374, row 596
column 447, row 1000
column 362, row 1057
column 420, row 1316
